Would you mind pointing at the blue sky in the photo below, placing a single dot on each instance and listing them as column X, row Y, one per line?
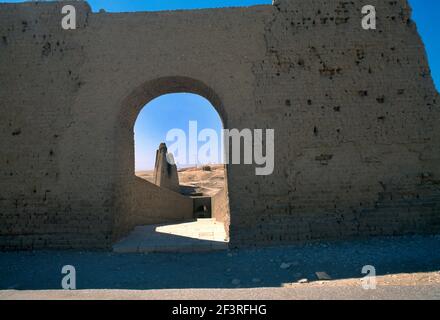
column 426, row 14
column 156, row 5
column 154, row 120
column 168, row 112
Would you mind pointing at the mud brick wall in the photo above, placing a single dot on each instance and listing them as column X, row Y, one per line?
column 220, row 208
column 355, row 114
column 150, row 204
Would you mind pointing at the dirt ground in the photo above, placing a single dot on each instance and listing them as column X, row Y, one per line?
column 418, row 286
column 399, row 261
column 206, row 181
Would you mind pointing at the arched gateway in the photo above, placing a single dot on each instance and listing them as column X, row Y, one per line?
column 355, row 115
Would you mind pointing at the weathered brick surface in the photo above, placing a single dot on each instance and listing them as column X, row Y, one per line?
column 355, row 113
column 165, row 173
column 220, row 208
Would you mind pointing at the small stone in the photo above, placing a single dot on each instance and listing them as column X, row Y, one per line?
column 236, row 282
column 323, row 276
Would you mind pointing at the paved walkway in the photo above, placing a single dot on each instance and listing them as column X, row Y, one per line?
column 196, row 236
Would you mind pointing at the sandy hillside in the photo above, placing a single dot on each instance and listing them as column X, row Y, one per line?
column 206, row 180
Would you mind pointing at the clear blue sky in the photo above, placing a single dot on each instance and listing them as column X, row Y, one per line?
column 169, row 112
column 154, row 121
column 426, row 14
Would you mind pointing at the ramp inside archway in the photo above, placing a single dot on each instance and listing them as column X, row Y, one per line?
column 193, row 236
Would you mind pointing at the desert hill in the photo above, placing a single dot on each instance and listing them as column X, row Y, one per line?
column 205, row 180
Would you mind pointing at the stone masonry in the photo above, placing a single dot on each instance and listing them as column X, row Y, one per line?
column 355, row 114
column 165, row 173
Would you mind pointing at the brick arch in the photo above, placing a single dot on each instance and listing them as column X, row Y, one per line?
column 127, row 185
column 132, row 104
column 152, row 89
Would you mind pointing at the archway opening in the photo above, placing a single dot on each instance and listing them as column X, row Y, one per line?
column 178, row 148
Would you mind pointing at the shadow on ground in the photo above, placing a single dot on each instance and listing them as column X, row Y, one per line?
column 199, row 235
column 101, row 270
column 188, row 190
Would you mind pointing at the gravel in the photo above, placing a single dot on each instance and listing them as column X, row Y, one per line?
column 41, row 270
